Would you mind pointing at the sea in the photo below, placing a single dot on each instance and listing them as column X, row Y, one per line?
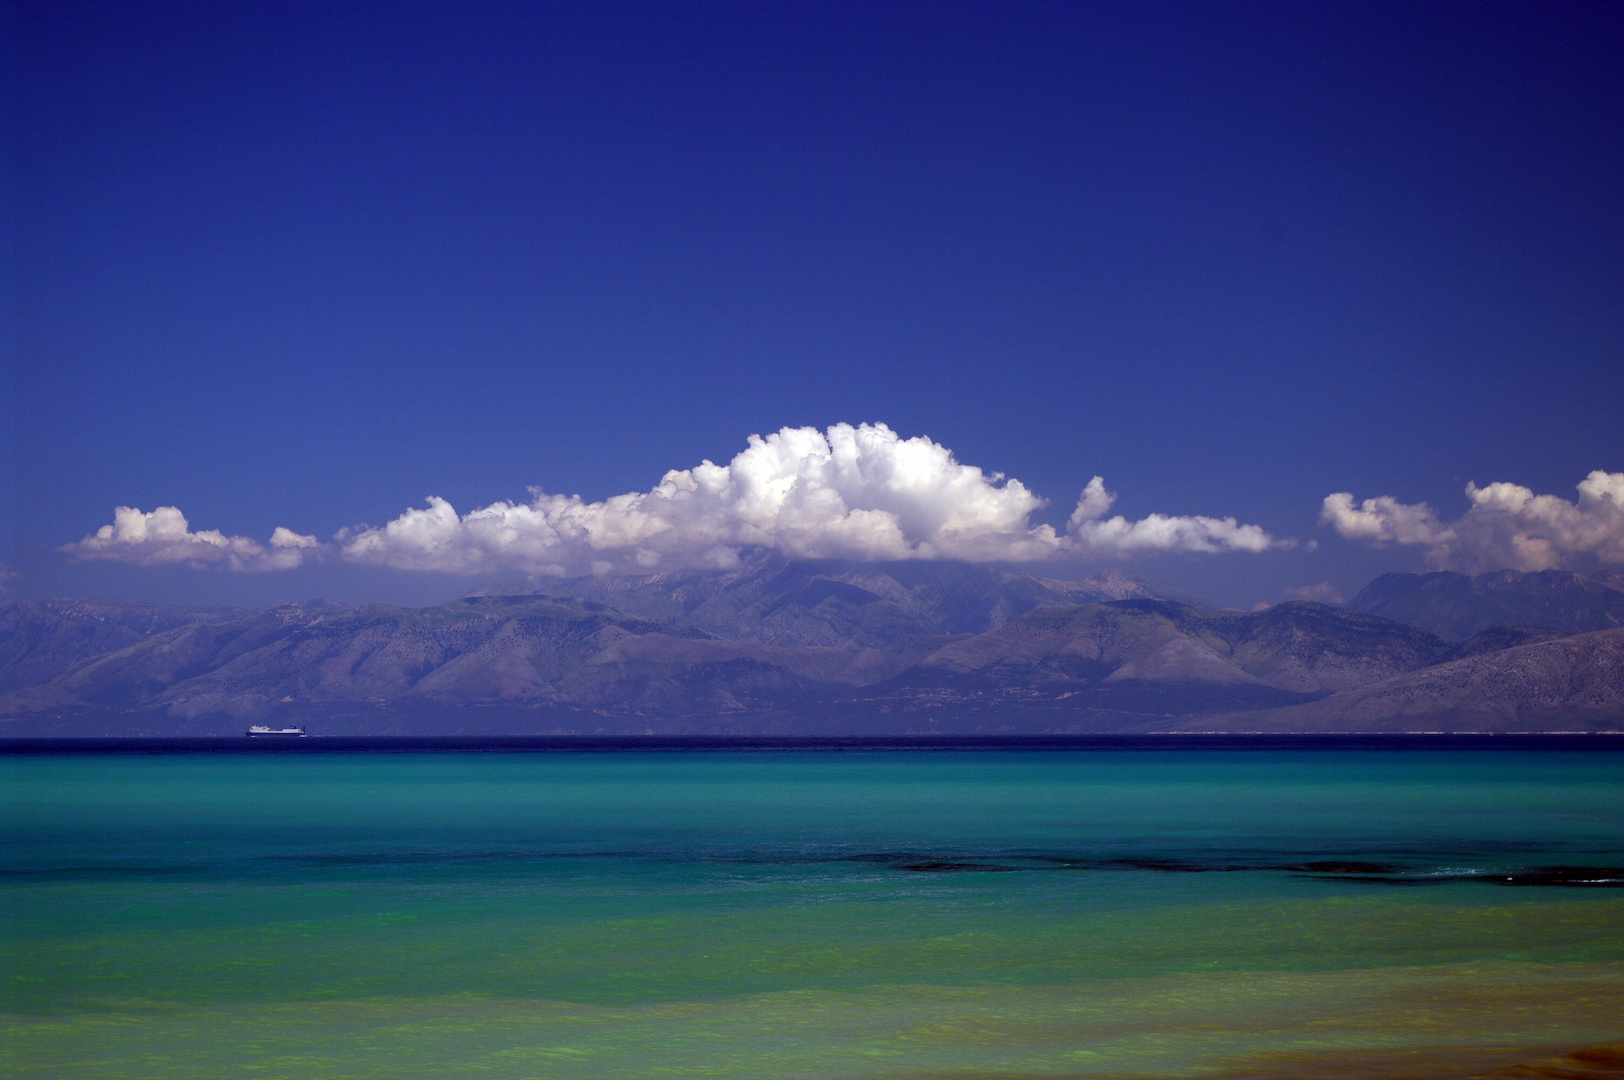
column 1153, row 907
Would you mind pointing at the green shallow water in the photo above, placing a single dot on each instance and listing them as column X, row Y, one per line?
column 812, row 914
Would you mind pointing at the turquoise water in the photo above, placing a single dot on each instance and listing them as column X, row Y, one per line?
column 811, row 914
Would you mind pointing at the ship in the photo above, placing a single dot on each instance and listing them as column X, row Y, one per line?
column 260, row 731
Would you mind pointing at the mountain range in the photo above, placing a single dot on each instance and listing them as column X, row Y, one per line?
column 808, row 647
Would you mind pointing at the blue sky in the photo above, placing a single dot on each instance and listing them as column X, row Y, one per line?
column 308, row 265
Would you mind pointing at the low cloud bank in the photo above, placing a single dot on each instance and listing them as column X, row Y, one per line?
column 164, row 538
column 1506, row 527
column 860, row 492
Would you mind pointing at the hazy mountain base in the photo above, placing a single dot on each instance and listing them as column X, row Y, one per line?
column 844, row 718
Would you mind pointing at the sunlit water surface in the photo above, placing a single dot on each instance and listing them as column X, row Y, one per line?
column 996, row 913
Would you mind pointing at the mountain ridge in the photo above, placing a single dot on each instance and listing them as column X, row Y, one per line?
column 1456, row 606
column 894, row 648
column 774, row 600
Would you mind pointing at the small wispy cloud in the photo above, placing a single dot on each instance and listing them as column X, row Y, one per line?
column 1506, row 527
column 1324, row 592
column 1091, row 533
column 853, row 492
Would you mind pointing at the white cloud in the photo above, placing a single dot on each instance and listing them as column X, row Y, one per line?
column 853, row 492
column 1382, row 520
column 1506, row 527
column 1324, row 592
column 163, row 538
column 1093, row 534
column 860, row 492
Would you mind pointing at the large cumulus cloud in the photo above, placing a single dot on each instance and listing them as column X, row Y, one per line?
column 852, row 492
column 1506, row 527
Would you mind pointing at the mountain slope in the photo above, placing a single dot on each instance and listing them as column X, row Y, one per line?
column 1456, row 606
column 1155, row 659
column 44, row 637
column 534, row 651
column 1572, row 683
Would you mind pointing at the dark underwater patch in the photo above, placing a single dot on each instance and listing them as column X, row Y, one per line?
column 1351, row 871
column 1573, row 877
column 1433, row 869
column 1603, row 1061
column 1344, row 866
column 1594, row 877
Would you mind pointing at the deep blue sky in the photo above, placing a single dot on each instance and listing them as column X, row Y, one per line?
column 305, row 265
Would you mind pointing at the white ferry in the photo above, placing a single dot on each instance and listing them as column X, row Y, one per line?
column 260, row 731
